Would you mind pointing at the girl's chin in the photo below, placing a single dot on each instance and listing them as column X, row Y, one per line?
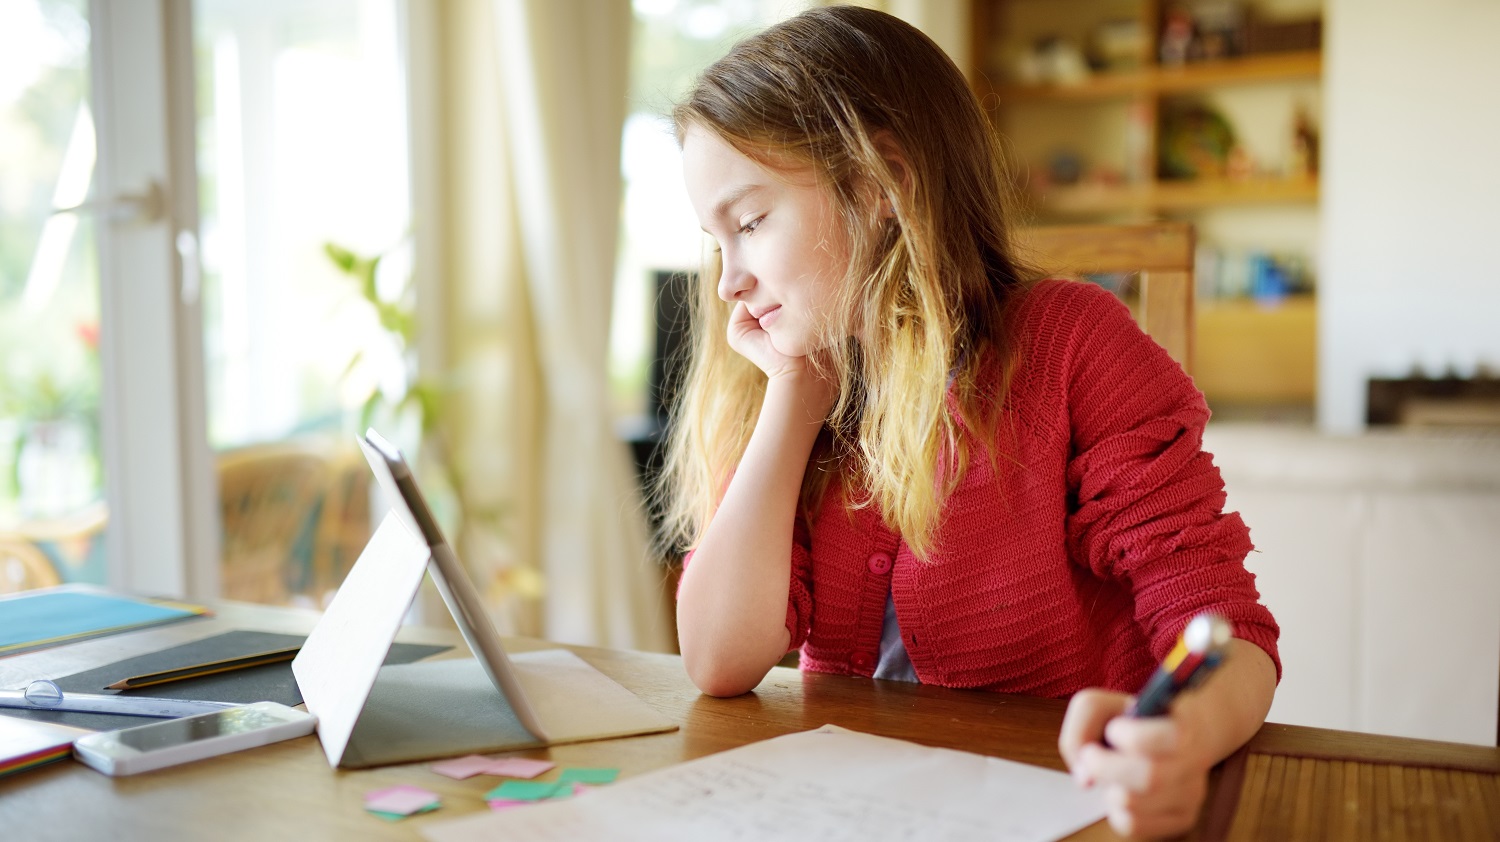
column 798, row 346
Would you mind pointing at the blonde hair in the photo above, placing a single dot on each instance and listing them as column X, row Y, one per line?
column 844, row 91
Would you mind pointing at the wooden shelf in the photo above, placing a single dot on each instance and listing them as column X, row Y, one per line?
column 1254, row 353
column 1162, row 196
column 1196, row 76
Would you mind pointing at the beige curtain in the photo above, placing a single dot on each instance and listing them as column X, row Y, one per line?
column 533, row 97
column 563, row 69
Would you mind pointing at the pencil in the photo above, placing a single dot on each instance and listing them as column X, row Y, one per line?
column 274, row 656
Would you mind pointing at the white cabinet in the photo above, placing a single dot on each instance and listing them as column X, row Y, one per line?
column 1380, row 557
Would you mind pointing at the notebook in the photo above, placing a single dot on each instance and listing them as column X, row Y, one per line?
column 27, row 745
column 370, row 715
column 66, row 614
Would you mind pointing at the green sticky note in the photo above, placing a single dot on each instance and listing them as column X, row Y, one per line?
column 396, row 817
column 589, row 776
column 524, row 791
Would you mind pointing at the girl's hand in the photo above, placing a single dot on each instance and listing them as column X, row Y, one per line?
column 1153, row 775
column 750, row 341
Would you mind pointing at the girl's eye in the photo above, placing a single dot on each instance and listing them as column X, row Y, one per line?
column 749, row 227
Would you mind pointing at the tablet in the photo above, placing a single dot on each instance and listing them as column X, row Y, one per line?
column 452, row 581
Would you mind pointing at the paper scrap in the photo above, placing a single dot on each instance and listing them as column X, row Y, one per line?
column 518, row 767
column 506, row 804
column 401, row 800
column 391, row 790
column 524, row 791
column 589, row 776
column 828, row 785
column 464, row 767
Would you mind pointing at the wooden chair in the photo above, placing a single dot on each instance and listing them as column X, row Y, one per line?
column 23, row 566
column 343, row 526
column 65, row 548
column 268, row 499
column 1161, row 252
column 296, row 514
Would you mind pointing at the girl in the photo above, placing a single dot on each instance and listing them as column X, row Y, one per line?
column 910, row 461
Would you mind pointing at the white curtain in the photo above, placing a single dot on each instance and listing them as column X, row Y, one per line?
column 563, row 67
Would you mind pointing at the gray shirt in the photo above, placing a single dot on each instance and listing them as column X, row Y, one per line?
column 894, row 662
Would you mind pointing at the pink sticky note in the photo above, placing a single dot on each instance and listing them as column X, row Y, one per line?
column 518, row 767
column 579, row 789
column 463, row 767
column 381, row 793
column 506, row 804
column 403, row 801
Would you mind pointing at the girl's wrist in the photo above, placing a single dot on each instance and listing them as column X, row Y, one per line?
column 810, row 394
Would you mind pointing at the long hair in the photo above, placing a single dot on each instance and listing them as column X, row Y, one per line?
column 926, row 290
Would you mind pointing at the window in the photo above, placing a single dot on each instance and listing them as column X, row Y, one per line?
column 673, row 41
column 51, row 478
column 302, row 142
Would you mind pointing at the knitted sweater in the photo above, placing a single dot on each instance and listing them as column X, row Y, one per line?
column 1079, row 561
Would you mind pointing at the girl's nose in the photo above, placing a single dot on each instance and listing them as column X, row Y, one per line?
column 733, row 281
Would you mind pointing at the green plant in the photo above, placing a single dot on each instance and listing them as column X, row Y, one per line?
column 428, row 399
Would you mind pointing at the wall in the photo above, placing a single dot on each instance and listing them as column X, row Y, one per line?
column 1410, row 215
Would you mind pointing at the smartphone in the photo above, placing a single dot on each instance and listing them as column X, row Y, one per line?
column 173, row 741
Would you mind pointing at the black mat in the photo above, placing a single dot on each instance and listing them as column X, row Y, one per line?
column 268, row 682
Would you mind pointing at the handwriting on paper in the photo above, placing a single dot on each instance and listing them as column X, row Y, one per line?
column 830, row 785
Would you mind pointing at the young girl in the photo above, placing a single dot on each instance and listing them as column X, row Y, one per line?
column 909, row 460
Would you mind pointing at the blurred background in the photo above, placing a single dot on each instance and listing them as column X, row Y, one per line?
column 236, row 233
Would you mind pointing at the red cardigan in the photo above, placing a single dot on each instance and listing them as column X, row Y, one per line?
column 1079, row 563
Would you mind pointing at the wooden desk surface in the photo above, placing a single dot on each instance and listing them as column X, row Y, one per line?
column 1290, row 782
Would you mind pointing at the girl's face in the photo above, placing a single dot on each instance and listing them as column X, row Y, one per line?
column 783, row 248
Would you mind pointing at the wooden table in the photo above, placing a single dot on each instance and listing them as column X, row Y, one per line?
column 1289, row 783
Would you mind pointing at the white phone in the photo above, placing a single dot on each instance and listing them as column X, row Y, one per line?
column 168, row 743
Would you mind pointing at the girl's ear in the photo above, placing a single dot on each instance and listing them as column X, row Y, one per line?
column 895, row 160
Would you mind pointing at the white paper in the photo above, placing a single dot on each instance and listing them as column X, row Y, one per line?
column 340, row 659
column 828, row 785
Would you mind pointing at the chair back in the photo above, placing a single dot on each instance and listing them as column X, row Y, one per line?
column 296, row 515
column 23, row 566
column 268, row 499
column 1162, row 252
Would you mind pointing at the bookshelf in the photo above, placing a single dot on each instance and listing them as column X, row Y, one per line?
column 1095, row 131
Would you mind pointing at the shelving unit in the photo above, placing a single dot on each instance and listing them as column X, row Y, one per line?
column 1257, row 353
column 1162, row 197
column 1272, row 67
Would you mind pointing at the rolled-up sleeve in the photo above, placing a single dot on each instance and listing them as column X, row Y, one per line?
column 1148, row 502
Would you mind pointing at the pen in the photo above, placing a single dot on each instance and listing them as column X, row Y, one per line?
column 273, row 656
column 1198, row 651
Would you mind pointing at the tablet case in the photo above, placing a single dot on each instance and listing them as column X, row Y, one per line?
column 369, row 715
column 267, row 682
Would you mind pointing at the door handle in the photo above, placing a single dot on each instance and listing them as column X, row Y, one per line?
column 146, row 207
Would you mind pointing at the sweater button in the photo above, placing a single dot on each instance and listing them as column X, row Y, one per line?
column 861, row 660
column 880, row 564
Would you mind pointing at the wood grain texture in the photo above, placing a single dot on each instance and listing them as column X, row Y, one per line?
column 1292, row 783
column 1301, row 798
